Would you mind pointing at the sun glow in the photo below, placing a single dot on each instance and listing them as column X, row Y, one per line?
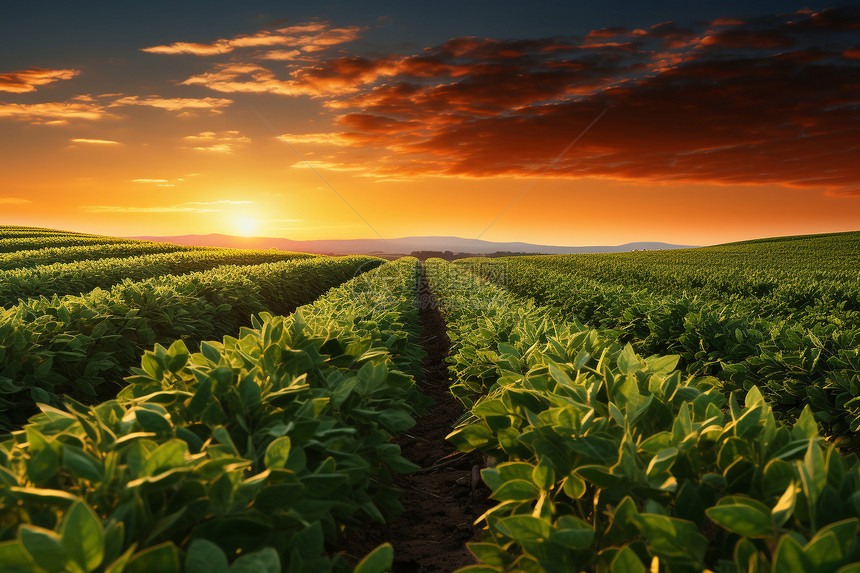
column 246, row 226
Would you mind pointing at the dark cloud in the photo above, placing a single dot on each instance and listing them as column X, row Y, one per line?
column 769, row 100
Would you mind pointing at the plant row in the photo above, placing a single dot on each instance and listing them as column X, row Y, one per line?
column 83, row 276
column 40, row 242
column 7, row 232
column 249, row 456
column 52, row 255
column 82, row 345
column 610, row 462
column 793, row 270
column 794, row 362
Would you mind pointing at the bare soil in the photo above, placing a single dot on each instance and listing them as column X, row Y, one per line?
column 444, row 498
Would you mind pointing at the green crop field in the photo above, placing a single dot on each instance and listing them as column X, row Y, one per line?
column 202, row 410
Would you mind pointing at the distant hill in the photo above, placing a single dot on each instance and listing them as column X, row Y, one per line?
column 403, row 245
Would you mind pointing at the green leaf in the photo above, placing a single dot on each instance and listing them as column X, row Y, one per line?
column 543, row 477
column 628, row 362
column 83, row 536
column 559, row 375
column 574, row 487
column 41, row 495
column 167, row 456
column 806, row 427
column 264, row 561
column 675, row 540
column 626, row 561
column 743, row 519
column 163, row 558
column 572, row 532
column 516, row 490
column 43, row 465
column 471, row 437
column 277, row 453
column 81, row 465
column 44, row 547
column 524, row 528
column 789, row 557
column 784, row 508
column 14, row 557
column 223, row 436
column 379, row 560
column 491, row 554
column 205, row 557
column 153, row 422
column 662, row 462
column 396, row 420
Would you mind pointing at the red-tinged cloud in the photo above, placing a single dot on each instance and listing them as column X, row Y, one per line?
column 614, row 33
column 24, row 81
column 212, row 104
column 741, row 39
column 305, row 38
column 770, row 100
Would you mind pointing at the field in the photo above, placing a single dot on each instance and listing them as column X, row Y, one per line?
column 168, row 408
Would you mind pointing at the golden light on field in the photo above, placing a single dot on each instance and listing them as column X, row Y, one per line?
column 246, row 226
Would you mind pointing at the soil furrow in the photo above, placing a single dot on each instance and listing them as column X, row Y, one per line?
column 444, row 498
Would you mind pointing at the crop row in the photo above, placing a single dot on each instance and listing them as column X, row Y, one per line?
column 813, row 362
column 81, row 345
column 610, row 462
column 752, row 269
column 83, row 276
column 257, row 450
column 757, row 288
column 21, row 232
column 52, row 255
column 40, row 242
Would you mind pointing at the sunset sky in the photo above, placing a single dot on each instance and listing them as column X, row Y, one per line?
column 569, row 123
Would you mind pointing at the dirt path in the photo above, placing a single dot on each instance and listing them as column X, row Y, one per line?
column 442, row 500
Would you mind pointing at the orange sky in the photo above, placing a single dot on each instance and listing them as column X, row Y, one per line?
column 706, row 133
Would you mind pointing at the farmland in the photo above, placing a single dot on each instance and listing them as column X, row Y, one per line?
column 167, row 408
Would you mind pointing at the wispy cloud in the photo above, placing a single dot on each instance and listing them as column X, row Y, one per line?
column 81, row 107
column 310, row 37
column 320, row 138
column 223, row 202
column 14, row 201
column 218, row 142
column 24, row 81
column 156, row 182
column 96, row 141
column 211, row 104
column 197, row 207
column 327, row 165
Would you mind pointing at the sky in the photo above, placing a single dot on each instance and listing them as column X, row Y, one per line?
column 567, row 123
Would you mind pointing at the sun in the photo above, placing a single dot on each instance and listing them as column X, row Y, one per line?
column 246, row 226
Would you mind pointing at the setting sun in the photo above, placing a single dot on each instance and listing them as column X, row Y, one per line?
column 245, row 226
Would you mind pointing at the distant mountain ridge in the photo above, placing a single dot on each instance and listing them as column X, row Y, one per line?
column 402, row 245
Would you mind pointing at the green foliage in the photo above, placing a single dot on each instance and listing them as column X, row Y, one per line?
column 780, row 315
column 248, row 455
column 82, row 345
column 611, row 461
column 8, row 245
column 52, row 255
column 83, row 276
